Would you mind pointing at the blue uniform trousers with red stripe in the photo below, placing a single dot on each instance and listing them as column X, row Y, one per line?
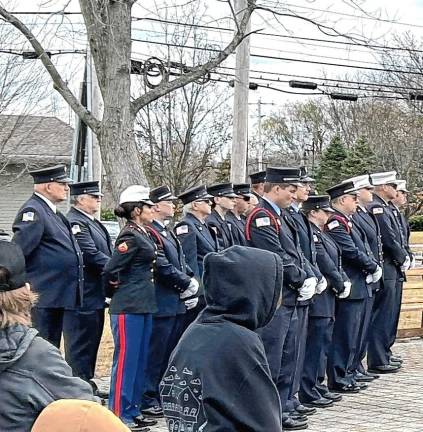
column 131, row 335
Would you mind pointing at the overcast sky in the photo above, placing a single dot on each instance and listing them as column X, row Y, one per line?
column 406, row 14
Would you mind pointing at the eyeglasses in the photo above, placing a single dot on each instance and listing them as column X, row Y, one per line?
column 207, row 201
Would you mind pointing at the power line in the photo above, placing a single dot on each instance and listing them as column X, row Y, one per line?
column 295, row 60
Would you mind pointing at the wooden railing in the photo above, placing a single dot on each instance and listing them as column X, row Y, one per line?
column 411, row 319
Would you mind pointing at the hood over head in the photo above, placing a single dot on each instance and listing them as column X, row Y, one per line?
column 70, row 415
column 14, row 342
column 242, row 285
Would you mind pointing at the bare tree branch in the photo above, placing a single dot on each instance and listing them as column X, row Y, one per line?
column 59, row 83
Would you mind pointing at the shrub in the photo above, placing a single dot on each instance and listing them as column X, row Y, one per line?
column 416, row 223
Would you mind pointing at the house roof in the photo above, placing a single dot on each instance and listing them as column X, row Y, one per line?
column 34, row 140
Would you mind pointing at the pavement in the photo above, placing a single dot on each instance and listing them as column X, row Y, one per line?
column 394, row 402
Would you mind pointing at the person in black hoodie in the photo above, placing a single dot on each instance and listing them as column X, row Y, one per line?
column 218, row 371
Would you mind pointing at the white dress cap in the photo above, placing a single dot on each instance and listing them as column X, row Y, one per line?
column 360, row 182
column 383, row 178
column 136, row 193
column 402, row 186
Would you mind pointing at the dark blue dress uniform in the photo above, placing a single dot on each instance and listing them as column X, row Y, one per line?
column 386, row 309
column 53, row 259
column 237, row 228
column 321, row 316
column 358, row 262
column 218, row 225
column 173, row 277
column 368, row 224
column 269, row 228
column 197, row 241
column 88, row 320
column 130, row 275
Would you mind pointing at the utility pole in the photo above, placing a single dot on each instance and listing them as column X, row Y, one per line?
column 240, row 127
column 260, row 146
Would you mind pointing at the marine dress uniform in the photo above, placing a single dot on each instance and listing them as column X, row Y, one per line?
column 129, row 275
column 88, row 319
column 53, row 258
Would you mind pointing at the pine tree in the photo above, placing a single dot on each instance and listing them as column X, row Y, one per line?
column 329, row 171
column 223, row 171
column 361, row 159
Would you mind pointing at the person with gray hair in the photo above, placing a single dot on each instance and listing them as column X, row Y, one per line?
column 96, row 246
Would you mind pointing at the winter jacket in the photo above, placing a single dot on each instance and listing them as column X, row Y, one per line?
column 218, row 377
column 32, row 375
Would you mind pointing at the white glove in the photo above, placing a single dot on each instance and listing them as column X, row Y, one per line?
column 347, row 290
column 191, row 290
column 377, row 274
column 413, row 262
column 406, row 264
column 191, row 303
column 321, row 285
column 308, row 289
column 369, row 279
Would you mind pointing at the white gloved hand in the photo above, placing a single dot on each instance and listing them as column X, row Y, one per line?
column 377, row 274
column 406, row 264
column 308, row 289
column 413, row 262
column 191, row 303
column 347, row 290
column 321, row 285
column 369, row 279
column 191, row 290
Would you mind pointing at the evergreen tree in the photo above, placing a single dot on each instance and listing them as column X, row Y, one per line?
column 330, row 168
column 223, row 171
column 361, row 159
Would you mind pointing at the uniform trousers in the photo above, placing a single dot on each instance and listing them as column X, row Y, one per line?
column 279, row 343
column 319, row 339
column 81, row 345
column 364, row 334
column 398, row 302
column 300, row 352
column 51, row 323
column 131, row 335
column 345, row 342
column 384, row 323
column 165, row 336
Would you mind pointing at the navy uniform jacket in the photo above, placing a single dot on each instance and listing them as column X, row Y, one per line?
column 262, row 233
column 96, row 247
column 197, row 241
column 221, row 228
column 237, row 229
column 357, row 257
column 394, row 253
column 404, row 226
column 172, row 277
column 329, row 260
column 53, row 258
column 130, row 269
column 369, row 225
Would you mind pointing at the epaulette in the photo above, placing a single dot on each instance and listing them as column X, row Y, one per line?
column 270, row 220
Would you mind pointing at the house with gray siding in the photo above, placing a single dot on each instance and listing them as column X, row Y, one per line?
column 28, row 142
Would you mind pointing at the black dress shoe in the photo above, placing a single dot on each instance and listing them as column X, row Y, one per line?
column 349, row 388
column 304, row 410
column 319, row 403
column 290, row 424
column 144, row 421
column 363, row 378
column 297, row 416
column 332, row 396
column 155, row 411
column 375, row 376
column 384, row 369
column 133, row 427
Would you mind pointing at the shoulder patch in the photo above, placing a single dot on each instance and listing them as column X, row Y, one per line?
column 28, row 216
column 377, row 210
column 332, row 225
column 263, row 221
column 182, row 229
column 76, row 229
column 123, row 247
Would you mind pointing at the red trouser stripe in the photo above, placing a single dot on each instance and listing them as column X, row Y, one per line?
column 121, row 363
